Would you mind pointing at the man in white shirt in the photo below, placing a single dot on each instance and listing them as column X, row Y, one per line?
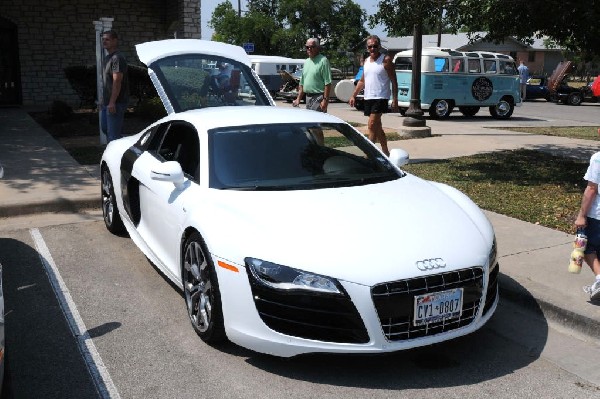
column 378, row 75
column 588, row 219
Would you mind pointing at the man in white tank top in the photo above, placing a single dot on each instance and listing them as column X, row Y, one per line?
column 378, row 75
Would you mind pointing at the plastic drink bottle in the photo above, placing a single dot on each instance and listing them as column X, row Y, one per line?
column 577, row 254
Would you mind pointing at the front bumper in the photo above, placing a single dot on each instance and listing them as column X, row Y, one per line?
column 284, row 326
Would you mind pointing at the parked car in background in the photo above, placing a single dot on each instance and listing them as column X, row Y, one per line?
column 268, row 69
column 537, row 87
column 291, row 81
column 563, row 93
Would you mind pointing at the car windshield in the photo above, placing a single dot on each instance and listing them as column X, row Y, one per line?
column 294, row 157
column 194, row 81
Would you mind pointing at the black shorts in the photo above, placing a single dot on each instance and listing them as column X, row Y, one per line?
column 377, row 106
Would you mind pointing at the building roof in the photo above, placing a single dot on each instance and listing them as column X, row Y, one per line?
column 459, row 41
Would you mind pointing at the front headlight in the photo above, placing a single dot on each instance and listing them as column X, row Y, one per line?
column 286, row 278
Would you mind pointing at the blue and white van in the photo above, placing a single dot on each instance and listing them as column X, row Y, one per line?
column 467, row 80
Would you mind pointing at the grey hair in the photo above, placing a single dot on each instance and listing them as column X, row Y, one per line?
column 315, row 41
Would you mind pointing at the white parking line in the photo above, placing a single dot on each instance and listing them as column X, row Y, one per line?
column 100, row 376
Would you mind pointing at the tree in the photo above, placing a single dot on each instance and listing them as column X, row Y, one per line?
column 572, row 24
column 281, row 27
column 255, row 26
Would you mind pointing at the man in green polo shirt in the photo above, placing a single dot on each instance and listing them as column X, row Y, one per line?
column 316, row 79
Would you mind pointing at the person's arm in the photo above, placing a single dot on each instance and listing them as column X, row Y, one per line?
column 391, row 72
column 359, row 86
column 116, row 89
column 589, row 194
column 326, row 75
column 298, row 99
column 325, row 101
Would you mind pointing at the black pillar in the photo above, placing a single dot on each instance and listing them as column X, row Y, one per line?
column 414, row 114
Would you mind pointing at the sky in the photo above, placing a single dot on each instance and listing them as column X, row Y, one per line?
column 208, row 6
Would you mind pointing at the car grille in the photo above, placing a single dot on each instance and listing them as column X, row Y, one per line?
column 394, row 302
column 323, row 317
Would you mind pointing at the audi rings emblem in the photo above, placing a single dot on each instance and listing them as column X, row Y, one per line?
column 430, row 264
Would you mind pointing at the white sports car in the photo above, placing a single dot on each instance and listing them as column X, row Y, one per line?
column 288, row 231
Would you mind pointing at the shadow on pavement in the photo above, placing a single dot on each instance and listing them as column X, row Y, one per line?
column 43, row 355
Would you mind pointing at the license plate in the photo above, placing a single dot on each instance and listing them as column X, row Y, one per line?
column 438, row 306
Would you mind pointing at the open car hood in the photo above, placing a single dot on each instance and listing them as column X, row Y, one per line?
column 561, row 70
column 150, row 52
column 190, row 74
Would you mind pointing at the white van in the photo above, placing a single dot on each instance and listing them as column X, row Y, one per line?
column 267, row 67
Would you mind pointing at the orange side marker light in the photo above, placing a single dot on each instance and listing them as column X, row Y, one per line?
column 228, row 266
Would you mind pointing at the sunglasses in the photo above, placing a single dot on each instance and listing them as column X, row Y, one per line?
column 373, row 46
column 309, row 47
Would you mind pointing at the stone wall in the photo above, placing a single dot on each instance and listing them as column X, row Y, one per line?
column 55, row 34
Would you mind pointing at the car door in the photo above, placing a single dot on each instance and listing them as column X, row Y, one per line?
column 162, row 204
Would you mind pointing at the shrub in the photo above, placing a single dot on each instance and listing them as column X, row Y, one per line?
column 82, row 79
column 150, row 109
column 140, row 85
column 60, row 111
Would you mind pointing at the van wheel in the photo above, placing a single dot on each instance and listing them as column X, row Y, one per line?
column 469, row 111
column 502, row 110
column 440, row 109
column 574, row 99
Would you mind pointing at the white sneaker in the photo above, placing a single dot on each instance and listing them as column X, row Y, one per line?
column 595, row 291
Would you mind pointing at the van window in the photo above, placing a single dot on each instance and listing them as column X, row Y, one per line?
column 441, row 64
column 474, row 66
column 457, row 65
column 404, row 63
column 508, row 68
column 489, row 66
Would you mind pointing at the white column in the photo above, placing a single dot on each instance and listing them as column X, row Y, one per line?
column 100, row 26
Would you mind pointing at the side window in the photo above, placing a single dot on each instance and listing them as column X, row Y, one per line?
column 180, row 143
column 403, row 64
column 508, row 68
column 490, row 66
column 441, row 64
column 457, row 65
column 474, row 66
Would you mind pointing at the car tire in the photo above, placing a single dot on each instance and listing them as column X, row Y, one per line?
column 402, row 111
column 110, row 212
column 469, row 111
column 360, row 106
column 201, row 291
column 440, row 109
column 574, row 99
column 503, row 110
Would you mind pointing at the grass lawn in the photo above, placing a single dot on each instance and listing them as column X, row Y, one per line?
column 528, row 185
column 575, row 132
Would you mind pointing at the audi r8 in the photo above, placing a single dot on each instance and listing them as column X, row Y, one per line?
column 286, row 229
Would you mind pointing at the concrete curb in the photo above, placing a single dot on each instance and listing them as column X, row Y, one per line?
column 519, row 295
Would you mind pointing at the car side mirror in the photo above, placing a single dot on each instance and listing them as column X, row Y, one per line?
column 399, row 157
column 168, row 171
